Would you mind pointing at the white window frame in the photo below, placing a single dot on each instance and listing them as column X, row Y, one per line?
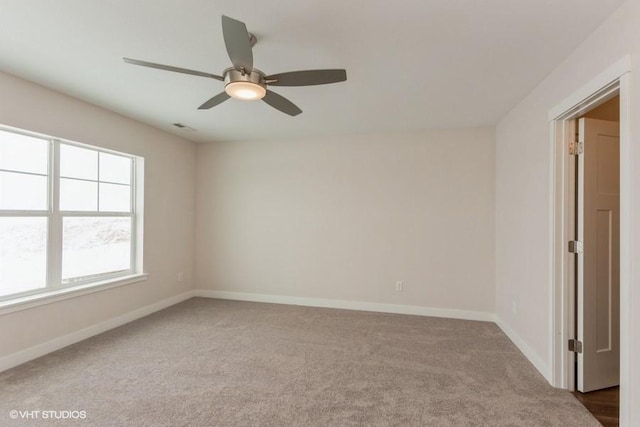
column 54, row 286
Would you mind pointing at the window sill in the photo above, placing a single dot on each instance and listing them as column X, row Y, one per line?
column 30, row 301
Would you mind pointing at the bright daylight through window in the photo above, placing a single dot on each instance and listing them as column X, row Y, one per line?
column 67, row 214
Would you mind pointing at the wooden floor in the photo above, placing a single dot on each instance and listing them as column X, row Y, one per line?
column 603, row 404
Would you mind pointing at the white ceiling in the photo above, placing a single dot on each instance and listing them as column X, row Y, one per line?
column 411, row 64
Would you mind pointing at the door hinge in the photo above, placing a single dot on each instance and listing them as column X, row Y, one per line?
column 575, row 346
column 575, row 246
column 576, row 147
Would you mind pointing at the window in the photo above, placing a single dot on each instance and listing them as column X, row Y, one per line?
column 67, row 214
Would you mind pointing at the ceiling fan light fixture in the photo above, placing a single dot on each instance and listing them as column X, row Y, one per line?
column 244, row 86
column 246, row 91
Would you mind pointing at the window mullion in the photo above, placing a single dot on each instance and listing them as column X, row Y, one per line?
column 98, row 184
column 24, row 213
column 54, row 265
column 134, row 233
column 94, row 213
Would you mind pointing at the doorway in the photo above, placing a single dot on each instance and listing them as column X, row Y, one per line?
column 564, row 122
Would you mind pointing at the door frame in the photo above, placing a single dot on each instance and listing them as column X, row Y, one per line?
column 611, row 82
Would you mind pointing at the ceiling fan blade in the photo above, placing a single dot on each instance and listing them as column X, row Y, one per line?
column 281, row 103
column 238, row 44
column 171, row 68
column 307, row 78
column 218, row 99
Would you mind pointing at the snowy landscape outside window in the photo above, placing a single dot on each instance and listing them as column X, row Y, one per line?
column 67, row 214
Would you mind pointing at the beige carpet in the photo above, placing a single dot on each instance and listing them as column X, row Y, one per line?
column 222, row 363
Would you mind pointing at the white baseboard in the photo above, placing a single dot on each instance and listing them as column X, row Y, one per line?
column 535, row 360
column 36, row 351
column 349, row 305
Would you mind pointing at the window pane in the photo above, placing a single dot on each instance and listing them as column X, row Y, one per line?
column 78, row 195
column 95, row 246
column 23, row 153
column 23, row 259
column 76, row 162
column 115, row 168
column 19, row 191
column 115, row 198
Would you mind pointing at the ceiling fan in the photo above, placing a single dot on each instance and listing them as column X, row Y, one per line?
column 244, row 82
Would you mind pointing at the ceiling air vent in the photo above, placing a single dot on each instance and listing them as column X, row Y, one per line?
column 184, row 127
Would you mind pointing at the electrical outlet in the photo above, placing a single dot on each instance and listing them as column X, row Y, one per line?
column 399, row 286
column 514, row 307
column 180, row 277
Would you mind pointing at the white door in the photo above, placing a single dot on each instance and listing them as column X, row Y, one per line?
column 599, row 266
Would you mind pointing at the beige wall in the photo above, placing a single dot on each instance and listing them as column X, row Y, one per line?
column 345, row 217
column 523, row 195
column 169, row 209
